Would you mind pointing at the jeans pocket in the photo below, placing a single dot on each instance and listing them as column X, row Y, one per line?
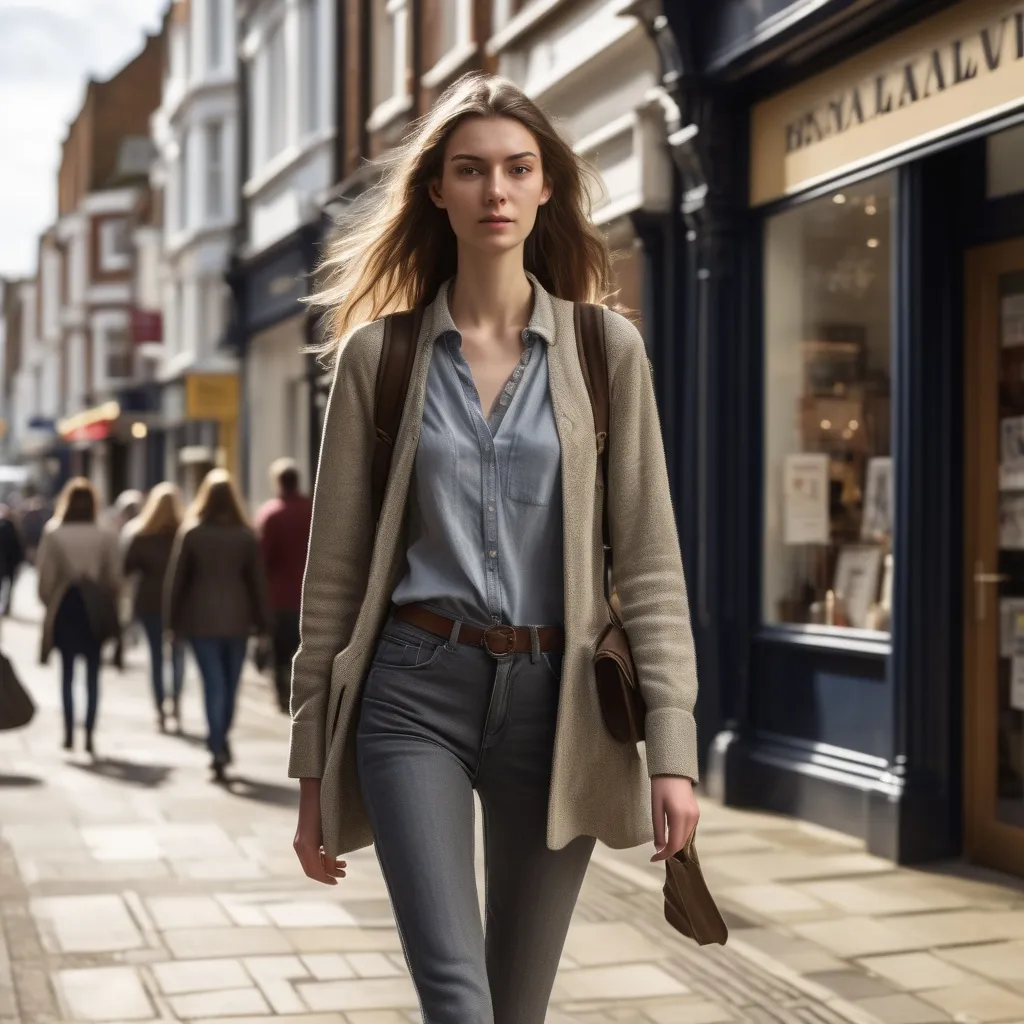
column 399, row 647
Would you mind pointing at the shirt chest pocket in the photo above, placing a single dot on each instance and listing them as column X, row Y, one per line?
column 534, row 467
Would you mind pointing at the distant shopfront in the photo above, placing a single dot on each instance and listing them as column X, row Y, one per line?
column 867, row 637
column 281, row 385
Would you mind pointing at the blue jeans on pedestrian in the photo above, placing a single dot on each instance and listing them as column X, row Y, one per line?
column 153, row 624
column 220, row 660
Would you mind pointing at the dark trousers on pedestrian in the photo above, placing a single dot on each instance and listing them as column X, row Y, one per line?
column 220, row 661
column 153, row 624
column 7, row 582
column 437, row 721
column 92, row 689
column 286, row 643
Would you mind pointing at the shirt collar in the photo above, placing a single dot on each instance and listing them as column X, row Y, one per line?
column 542, row 318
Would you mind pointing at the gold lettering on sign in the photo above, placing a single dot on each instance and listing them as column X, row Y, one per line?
column 917, row 79
column 956, row 68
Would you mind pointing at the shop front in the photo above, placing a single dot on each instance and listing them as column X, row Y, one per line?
column 868, row 611
column 281, row 387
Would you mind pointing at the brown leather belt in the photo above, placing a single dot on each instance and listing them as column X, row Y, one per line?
column 498, row 641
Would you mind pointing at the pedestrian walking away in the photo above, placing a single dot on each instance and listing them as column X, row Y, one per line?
column 12, row 555
column 79, row 569
column 35, row 514
column 147, row 558
column 216, row 598
column 450, row 619
column 283, row 526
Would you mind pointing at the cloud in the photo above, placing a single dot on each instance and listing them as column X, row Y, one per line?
column 48, row 50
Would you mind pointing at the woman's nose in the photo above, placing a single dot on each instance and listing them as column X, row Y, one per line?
column 496, row 188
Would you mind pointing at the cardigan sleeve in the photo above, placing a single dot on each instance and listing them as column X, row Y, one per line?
column 340, row 545
column 647, row 568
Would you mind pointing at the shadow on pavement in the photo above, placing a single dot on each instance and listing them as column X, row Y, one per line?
column 18, row 781
column 262, row 792
column 147, row 775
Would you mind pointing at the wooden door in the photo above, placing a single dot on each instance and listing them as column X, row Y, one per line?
column 994, row 556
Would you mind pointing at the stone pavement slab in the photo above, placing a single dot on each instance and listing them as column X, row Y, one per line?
column 133, row 889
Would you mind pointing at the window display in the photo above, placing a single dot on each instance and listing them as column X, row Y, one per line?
column 828, row 470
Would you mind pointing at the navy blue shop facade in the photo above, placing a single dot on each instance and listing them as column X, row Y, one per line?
column 846, row 436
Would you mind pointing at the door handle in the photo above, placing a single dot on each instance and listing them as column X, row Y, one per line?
column 980, row 579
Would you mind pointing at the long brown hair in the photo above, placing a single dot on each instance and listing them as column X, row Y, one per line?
column 217, row 502
column 77, row 502
column 162, row 513
column 399, row 248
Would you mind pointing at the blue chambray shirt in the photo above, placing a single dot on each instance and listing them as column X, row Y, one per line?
column 485, row 512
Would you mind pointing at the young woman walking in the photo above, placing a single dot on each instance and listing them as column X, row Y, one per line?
column 79, row 569
column 216, row 599
column 147, row 558
column 404, row 697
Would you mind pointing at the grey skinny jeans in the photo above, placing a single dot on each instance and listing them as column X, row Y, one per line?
column 438, row 720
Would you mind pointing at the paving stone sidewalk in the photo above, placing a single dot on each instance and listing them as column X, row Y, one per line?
column 134, row 889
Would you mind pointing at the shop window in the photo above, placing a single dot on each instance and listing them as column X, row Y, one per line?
column 828, row 469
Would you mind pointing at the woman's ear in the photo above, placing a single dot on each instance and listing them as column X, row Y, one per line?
column 435, row 193
column 545, row 194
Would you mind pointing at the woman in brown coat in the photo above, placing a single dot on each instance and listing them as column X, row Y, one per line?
column 216, row 598
column 79, row 569
column 147, row 557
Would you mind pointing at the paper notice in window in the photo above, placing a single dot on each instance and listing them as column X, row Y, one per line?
column 806, row 499
column 1013, row 320
column 1011, row 626
column 1017, row 683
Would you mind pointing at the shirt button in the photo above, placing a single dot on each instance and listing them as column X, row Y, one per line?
column 487, row 447
column 493, row 554
column 490, row 508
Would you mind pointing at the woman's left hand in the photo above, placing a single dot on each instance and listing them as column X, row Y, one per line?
column 673, row 803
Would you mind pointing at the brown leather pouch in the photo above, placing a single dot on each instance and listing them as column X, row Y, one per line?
column 689, row 907
column 618, row 689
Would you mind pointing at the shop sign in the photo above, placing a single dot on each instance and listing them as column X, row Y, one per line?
column 211, row 396
column 960, row 67
column 275, row 290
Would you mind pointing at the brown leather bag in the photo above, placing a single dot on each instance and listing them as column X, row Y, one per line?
column 689, row 907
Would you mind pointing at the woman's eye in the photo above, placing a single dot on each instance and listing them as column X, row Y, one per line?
column 523, row 168
column 467, row 170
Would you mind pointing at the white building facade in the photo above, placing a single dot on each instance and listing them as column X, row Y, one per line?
column 596, row 71
column 288, row 51
column 195, row 130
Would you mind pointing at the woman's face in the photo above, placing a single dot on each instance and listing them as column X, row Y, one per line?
column 491, row 183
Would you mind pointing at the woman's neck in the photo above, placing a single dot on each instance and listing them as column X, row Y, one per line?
column 491, row 296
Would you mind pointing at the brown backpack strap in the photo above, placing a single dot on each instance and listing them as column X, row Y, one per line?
column 589, row 322
column 401, row 331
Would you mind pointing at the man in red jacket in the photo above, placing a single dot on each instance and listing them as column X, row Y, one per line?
column 283, row 527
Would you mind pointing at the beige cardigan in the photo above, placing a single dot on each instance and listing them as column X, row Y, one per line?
column 598, row 787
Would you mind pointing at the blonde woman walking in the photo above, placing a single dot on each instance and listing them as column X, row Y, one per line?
column 147, row 558
column 405, row 697
column 79, row 568
column 216, row 599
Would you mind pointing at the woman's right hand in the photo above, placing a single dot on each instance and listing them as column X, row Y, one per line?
column 308, row 841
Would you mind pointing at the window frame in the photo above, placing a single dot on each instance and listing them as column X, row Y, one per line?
column 275, row 93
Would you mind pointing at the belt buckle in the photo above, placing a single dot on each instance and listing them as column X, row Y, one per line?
column 507, row 633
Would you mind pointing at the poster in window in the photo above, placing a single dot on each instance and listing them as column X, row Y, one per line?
column 1011, row 522
column 856, row 581
column 1011, row 453
column 877, row 521
column 806, row 499
column 1012, row 310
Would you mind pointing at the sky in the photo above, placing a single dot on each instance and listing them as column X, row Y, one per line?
column 48, row 50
